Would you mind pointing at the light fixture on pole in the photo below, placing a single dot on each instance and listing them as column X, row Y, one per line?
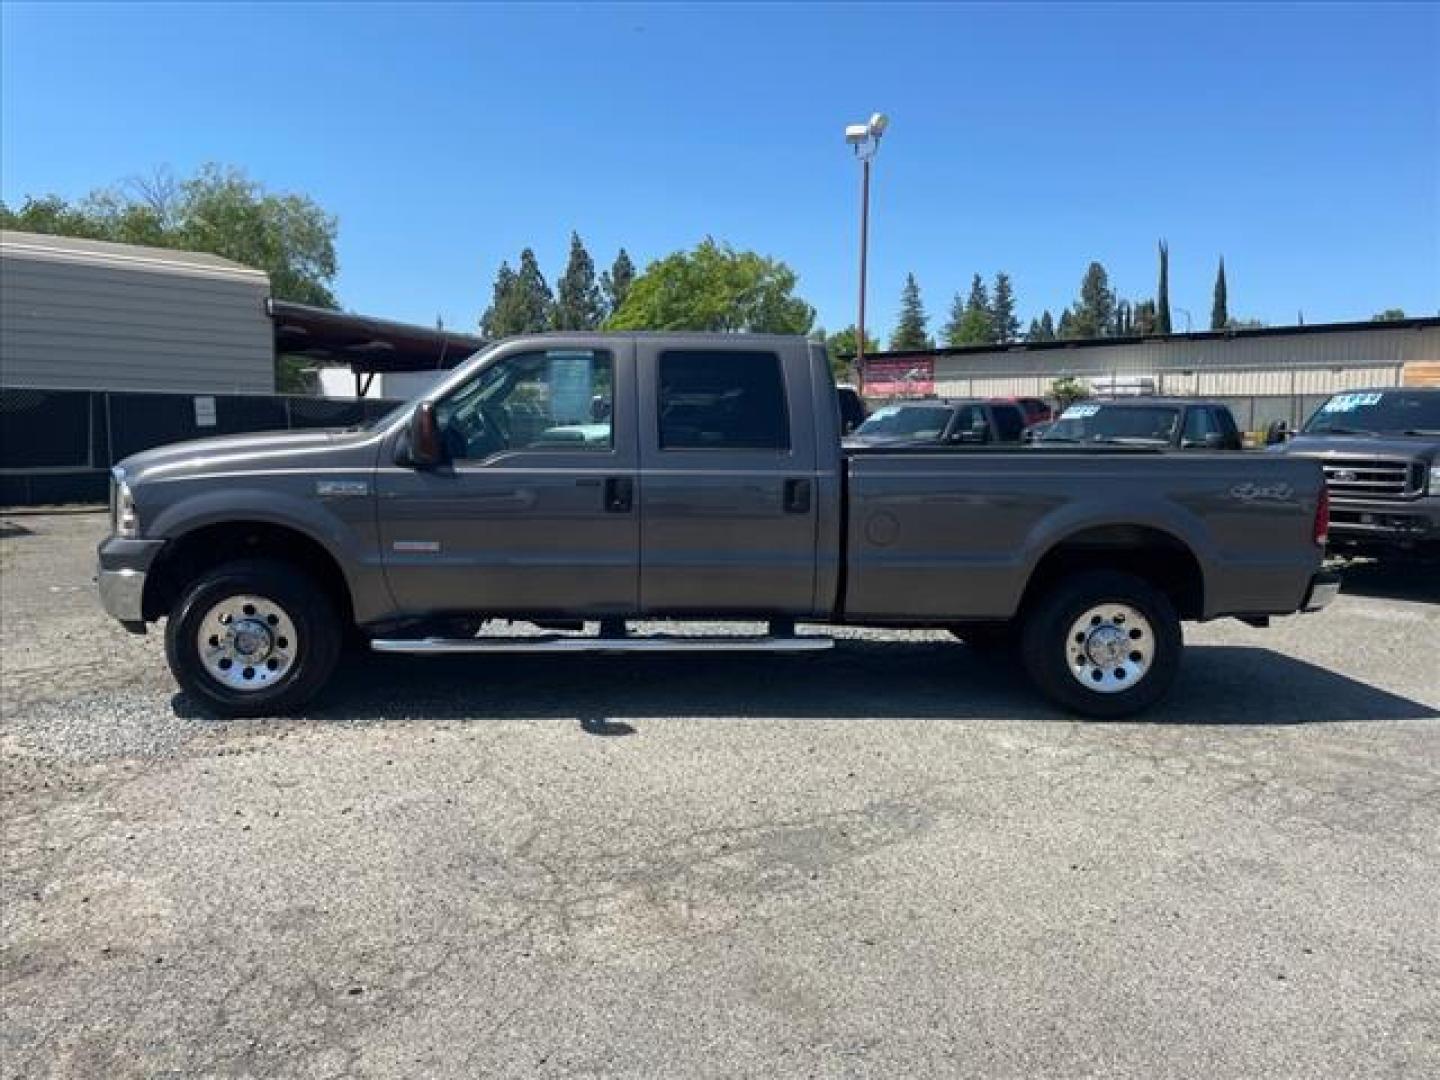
column 865, row 139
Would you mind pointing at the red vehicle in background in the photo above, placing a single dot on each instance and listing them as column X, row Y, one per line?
column 1036, row 410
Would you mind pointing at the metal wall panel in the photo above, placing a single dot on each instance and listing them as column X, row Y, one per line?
column 95, row 317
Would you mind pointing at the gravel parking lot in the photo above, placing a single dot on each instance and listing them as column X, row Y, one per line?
column 889, row 860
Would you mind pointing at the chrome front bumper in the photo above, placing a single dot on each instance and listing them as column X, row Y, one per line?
column 122, row 594
column 120, row 578
column 1324, row 587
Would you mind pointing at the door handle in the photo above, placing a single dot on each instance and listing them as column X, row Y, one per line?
column 797, row 496
column 619, row 494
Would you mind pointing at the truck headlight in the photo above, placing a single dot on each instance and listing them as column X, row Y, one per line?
column 124, row 521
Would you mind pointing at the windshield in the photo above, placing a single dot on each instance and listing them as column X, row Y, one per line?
column 1114, row 423
column 1392, row 411
column 916, row 420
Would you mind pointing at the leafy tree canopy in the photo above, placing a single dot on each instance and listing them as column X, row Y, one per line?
column 218, row 210
column 715, row 287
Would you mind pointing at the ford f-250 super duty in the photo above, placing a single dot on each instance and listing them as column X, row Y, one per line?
column 563, row 479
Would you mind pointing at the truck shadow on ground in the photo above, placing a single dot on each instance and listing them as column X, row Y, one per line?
column 859, row 680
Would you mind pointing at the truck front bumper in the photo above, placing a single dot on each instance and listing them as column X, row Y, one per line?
column 124, row 565
column 1324, row 587
column 1385, row 522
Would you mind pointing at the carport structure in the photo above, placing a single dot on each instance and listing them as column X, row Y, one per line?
column 368, row 346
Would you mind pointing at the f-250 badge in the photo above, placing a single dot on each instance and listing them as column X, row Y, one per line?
column 1253, row 492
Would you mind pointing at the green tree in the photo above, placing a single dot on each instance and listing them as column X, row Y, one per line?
column 1162, row 294
column 615, row 283
column 1094, row 313
column 954, row 326
column 977, row 313
column 578, row 305
column 1393, row 314
column 841, row 349
column 910, row 331
column 1005, row 324
column 504, row 317
column 1067, row 390
column 1143, row 318
column 535, row 301
column 715, row 287
column 1219, row 309
column 218, row 210
column 1065, row 328
column 1041, row 329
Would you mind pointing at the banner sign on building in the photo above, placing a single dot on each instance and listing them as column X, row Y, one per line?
column 899, row 377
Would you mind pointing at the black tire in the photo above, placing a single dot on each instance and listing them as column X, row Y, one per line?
column 987, row 637
column 318, row 631
column 1045, row 645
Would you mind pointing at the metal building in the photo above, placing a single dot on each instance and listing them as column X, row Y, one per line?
column 1265, row 373
column 92, row 315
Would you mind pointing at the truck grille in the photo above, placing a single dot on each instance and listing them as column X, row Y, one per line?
column 1371, row 478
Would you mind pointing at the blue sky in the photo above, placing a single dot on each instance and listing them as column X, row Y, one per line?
column 1303, row 143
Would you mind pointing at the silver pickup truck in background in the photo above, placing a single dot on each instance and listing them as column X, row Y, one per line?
column 596, row 479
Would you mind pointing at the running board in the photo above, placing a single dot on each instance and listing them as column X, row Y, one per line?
column 657, row 643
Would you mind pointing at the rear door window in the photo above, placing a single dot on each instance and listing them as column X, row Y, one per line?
column 722, row 400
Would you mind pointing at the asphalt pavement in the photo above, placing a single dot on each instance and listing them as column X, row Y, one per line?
column 887, row 860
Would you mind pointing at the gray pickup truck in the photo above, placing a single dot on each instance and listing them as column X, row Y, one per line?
column 583, row 479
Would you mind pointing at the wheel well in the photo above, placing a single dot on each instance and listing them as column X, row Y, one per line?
column 186, row 557
column 1158, row 557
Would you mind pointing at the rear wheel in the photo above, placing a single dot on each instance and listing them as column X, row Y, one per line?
column 1103, row 644
column 253, row 637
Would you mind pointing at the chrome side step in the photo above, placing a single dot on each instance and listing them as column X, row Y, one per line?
column 655, row 643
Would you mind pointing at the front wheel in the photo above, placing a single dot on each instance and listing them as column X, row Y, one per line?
column 1103, row 644
column 253, row 637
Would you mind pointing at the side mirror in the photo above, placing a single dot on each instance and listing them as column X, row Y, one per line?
column 1277, row 433
column 424, row 449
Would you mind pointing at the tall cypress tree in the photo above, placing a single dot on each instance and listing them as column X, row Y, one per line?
column 505, row 315
column 615, row 282
column 1219, row 310
column 1162, row 294
column 1094, row 314
column 953, row 330
column 1143, row 318
column 535, row 301
column 577, row 297
column 910, row 331
column 1041, row 329
column 1065, row 329
column 1003, row 322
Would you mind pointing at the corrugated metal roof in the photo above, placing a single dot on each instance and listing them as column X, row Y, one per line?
column 70, row 249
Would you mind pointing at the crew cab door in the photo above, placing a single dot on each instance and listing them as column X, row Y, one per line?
column 533, row 510
column 728, row 482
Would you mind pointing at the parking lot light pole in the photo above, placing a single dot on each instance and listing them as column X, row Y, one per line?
column 865, row 138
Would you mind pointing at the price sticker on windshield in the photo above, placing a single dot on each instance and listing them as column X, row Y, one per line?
column 1350, row 402
column 1079, row 412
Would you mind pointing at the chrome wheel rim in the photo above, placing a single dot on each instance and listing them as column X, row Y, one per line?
column 1110, row 648
column 247, row 643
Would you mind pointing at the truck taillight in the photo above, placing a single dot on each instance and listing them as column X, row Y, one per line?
column 1322, row 517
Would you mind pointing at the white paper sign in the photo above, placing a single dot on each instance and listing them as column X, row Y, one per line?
column 204, row 412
